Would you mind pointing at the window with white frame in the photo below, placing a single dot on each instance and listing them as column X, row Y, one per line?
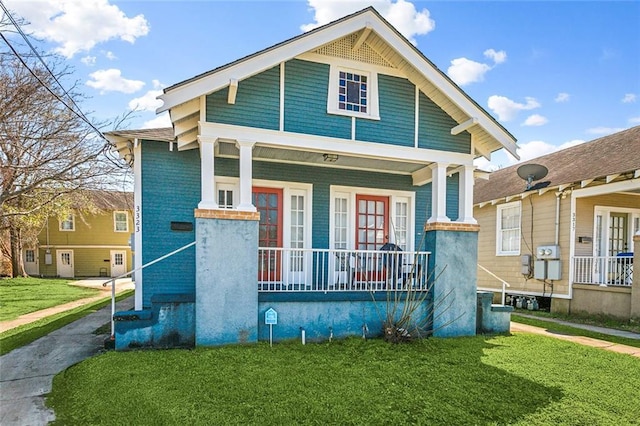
column 341, row 221
column 29, row 256
column 121, row 221
column 68, row 223
column 297, row 230
column 401, row 222
column 227, row 190
column 225, row 198
column 353, row 93
column 508, row 229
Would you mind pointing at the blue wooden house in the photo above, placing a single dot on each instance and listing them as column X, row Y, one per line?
column 315, row 177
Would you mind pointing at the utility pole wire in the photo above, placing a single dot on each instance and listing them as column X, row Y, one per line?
column 77, row 112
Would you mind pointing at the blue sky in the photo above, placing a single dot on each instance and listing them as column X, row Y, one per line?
column 554, row 73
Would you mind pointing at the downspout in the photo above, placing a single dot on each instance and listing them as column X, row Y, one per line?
column 557, row 240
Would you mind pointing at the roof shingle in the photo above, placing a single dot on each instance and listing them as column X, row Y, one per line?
column 618, row 153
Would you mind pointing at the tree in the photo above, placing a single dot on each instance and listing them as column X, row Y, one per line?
column 49, row 152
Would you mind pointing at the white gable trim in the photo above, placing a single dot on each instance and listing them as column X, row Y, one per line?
column 367, row 19
column 264, row 60
column 213, row 132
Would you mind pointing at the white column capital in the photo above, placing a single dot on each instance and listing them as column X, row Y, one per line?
column 438, row 166
column 245, row 143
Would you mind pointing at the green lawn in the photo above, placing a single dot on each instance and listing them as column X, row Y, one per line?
column 520, row 379
column 19, row 296
column 27, row 333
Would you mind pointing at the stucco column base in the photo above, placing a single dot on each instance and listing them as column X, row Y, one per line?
column 635, row 287
column 453, row 267
column 226, row 277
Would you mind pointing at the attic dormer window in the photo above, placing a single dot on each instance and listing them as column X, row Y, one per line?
column 353, row 93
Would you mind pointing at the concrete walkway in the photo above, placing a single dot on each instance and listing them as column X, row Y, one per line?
column 26, row 373
column 121, row 285
column 588, row 341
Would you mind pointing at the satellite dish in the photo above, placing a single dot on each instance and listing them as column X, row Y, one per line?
column 531, row 172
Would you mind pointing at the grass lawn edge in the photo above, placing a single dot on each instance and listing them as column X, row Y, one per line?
column 561, row 328
column 27, row 333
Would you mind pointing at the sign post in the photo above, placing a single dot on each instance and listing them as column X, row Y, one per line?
column 271, row 318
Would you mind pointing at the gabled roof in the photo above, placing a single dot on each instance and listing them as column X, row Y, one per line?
column 121, row 140
column 104, row 200
column 603, row 160
column 369, row 30
column 112, row 200
column 164, row 134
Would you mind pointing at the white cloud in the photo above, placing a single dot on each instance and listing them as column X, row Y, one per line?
column 603, row 131
column 629, row 98
column 110, row 55
column 535, row 120
column 148, row 101
column 634, row 120
column 111, row 80
column 484, row 164
column 562, row 97
column 465, row 71
column 89, row 61
column 535, row 149
column 160, row 121
column 498, row 57
column 78, row 25
column 400, row 13
column 506, row 109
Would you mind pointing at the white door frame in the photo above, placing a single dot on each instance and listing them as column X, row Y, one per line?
column 115, row 269
column 31, row 268
column 65, row 271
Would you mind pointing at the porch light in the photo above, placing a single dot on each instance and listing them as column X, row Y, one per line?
column 330, row 158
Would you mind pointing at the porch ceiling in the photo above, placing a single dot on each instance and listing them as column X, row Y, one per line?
column 316, row 158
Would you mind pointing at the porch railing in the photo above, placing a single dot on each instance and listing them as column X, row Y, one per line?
column 603, row 270
column 503, row 282
column 325, row 270
column 126, row 274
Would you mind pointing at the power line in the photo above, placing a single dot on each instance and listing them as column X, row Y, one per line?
column 77, row 111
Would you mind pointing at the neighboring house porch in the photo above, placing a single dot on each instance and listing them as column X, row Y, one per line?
column 568, row 241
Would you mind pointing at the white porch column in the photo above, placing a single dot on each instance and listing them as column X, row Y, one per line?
column 465, row 195
column 246, row 159
column 207, row 177
column 438, row 193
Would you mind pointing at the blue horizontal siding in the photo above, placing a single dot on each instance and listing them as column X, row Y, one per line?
column 171, row 192
column 257, row 102
column 305, row 101
column 322, row 178
column 396, row 97
column 434, row 129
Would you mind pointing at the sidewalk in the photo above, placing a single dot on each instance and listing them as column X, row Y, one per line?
column 121, row 285
column 588, row 341
column 27, row 373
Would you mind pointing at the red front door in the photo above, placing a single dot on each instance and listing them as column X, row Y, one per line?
column 268, row 202
column 372, row 232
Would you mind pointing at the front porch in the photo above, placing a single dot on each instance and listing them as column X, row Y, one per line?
column 604, row 270
column 327, row 270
